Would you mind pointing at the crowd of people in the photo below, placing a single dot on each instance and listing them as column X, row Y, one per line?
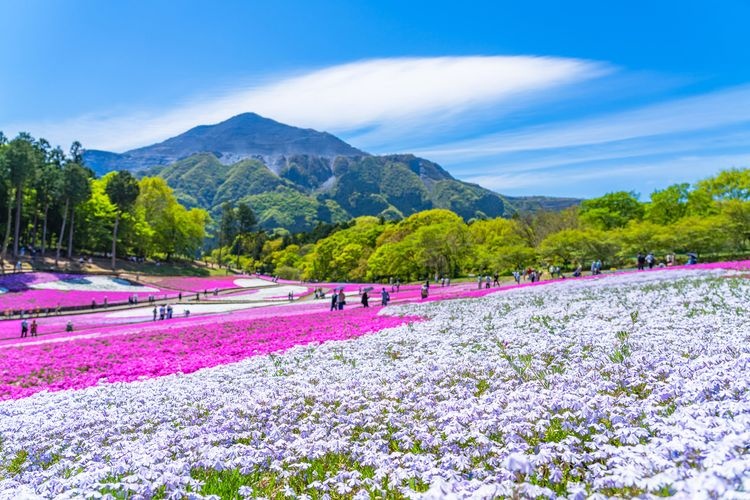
column 166, row 311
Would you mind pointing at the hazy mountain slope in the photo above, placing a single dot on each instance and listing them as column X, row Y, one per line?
column 537, row 203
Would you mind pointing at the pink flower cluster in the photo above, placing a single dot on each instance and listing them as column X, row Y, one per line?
column 83, row 362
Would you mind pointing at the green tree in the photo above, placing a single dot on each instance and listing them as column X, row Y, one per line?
column 76, row 189
column 343, row 255
column 643, row 236
column 122, row 190
column 49, row 185
column 578, row 246
column 5, row 179
column 96, row 216
column 174, row 229
column 535, row 227
column 700, row 234
column 22, row 159
column 737, row 213
column 669, row 204
column 245, row 222
column 611, row 210
column 733, row 184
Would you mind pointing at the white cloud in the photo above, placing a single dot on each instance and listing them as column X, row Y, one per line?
column 380, row 93
column 702, row 112
column 642, row 175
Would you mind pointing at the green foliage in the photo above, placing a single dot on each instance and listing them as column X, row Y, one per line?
column 733, row 184
column 577, row 246
column 309, row 189
column 611, row 210
column 344, row 254
column 669, row 204
column 122, row 189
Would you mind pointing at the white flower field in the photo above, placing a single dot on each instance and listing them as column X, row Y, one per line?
column 623, row 386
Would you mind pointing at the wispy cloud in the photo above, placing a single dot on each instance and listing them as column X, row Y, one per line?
column 381, row 95
column 642, row 175
column 721, row 108
column 682, row 139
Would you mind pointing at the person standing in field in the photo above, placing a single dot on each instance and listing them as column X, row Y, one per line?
column 517, row 277
column 24, row 328
column 384, row 297
column 342, row 300
column 34, row 328
column 334, row 301
column 365, row 299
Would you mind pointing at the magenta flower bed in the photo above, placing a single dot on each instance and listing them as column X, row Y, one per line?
column 80, row 363
column 20, row 296
column 197, row 284
column 42, row 299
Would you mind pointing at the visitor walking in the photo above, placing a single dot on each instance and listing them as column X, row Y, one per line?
column 365, row 299
column 384, row 297
column 517, row 277
column 34, row 328
column 650, row 260
column 24, row 328
column 342, row 300
column 334, row 301
column 155, row 312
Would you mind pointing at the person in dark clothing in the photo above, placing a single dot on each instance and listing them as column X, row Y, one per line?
column 641, row 260
column 365, row 300
column 334, row 301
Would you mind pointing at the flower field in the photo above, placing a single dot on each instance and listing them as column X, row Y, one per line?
column 198, row 284
column 31, row 291
column 628, row 385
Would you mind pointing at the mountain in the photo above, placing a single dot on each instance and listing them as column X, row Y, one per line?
column 537, row 203
column 294, row 178
column 306, row 189
column 244, row 136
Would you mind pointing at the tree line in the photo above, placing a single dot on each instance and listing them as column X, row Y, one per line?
column 710, row 218
column 51, row 199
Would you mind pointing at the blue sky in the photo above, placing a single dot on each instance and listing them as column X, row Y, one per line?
column 555, row 98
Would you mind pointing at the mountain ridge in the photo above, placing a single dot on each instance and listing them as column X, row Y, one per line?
column 243, row 136
column 294, row 177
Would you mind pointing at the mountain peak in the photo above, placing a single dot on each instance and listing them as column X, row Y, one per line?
column 246, row 135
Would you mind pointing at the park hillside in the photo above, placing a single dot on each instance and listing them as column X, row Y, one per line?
column 54, row 206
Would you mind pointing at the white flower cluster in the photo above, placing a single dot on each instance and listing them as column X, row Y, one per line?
column 632, row 385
